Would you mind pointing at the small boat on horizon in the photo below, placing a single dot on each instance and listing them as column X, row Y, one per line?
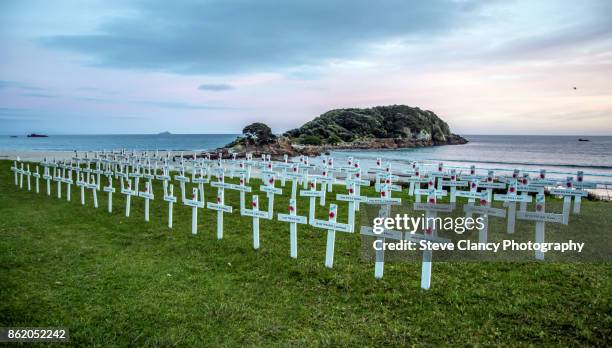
column 34, row 135
column 581, row 139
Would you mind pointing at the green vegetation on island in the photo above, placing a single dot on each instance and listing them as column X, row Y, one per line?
column 394, row 126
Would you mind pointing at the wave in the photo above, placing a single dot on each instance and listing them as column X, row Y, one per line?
column 590, row 166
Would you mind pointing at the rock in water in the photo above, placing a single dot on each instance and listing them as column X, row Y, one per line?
column 390, row 127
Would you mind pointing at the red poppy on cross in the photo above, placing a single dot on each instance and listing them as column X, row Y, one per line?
column 331, row 214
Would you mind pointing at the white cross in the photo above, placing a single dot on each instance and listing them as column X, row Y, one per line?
column 81, row 184
column 147, row 194
column 171, row 199
column 36, row 176
column 581, row 184
column 58, row 179
column 293, row 219
column 485, row 210
column 352, row 198
column 567, row 194
column 511, row 198
column 294, row 176
column 67, row 179
column 255, row 213
column 182, row 179
column 313, row 193
column 47, row 176
column 28, row 174
column 220, row 206
column 94, row 188
column 270, row 191
column 128, row 192
column 15, row 170
column 541, row 218
column 357, row 181
column 195, row 204
column 331, row 226
column 431, row 192
column 524, row 188
column 453, row 183
column 242, row 188
column 379, row 264
column 430, row 235
column 110, row 190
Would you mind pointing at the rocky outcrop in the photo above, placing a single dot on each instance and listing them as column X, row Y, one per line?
column 381, row 127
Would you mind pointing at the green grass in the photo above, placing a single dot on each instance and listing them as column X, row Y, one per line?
column 117, row 281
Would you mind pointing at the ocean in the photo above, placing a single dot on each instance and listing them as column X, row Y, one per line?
column 559, row 155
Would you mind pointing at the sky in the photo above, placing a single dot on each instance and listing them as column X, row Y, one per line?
column 485, row 67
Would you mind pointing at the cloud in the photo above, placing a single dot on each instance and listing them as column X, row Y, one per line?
column 19, row 114
column 19, row 85
column 184, row 105
column 97, row 90
column 38, row 95
column 166, row 104
column 246, row 36
column 215, row 87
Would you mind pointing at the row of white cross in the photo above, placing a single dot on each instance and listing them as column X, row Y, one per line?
column 131, row 168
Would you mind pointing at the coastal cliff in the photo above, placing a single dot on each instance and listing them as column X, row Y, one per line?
column 381, row 127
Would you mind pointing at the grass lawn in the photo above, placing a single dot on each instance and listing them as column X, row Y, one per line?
column 117, row 281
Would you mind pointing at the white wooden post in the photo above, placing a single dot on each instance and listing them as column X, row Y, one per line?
column 171, row 199
column 182, row 179
column 81, row 184
column 293, row 219
column 21, row 170
column 58, row 179
column 15, row 170
column 540, row 217
column 485, row 210
column 294, row 176
column 379, row 265
column 147, row 194
column 220, row 206
column 352, row 198
column 255, row 213
column 195, row 204
column 313, row 193
column 567, row 194
column 331, row 226
column 94, row 188
column 110, row 190
column 511, row 198
column 28, row 175
column 578, row 199
column 68, row 181
column 128, row 192
column 47, row 176
column 37, row 178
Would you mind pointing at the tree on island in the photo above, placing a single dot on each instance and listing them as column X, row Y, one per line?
column 258, row 133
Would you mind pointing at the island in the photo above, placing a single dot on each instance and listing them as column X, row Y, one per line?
column 34, row 135
column 380, row 127
column 164, row 133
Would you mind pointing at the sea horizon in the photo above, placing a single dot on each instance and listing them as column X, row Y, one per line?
column 560, row 155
